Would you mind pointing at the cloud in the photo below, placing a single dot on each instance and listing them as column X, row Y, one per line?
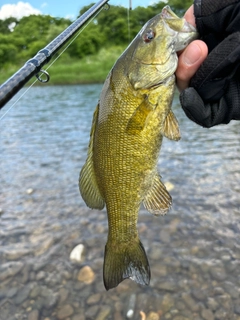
column 44, row 4
column 19, row 10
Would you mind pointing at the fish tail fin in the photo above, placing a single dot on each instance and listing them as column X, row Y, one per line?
column 125, row 261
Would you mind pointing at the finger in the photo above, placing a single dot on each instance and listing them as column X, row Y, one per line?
column 189, row 61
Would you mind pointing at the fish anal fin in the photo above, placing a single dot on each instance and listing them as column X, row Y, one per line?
column 87, row 180
column 127, row 260
column 171, row 128
column 157, row 201
column 138, row 120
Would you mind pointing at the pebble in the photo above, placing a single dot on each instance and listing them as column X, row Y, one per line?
column 207, row 314
column 218, row 273
column 167, row 303
column 76, row 254
column 231, row 289
column 63, row 295
column 104, row 313
column 86, row 275
column 153, row 316
column 93, row 299
column 91, row 312
column 33, row 315
column 65, row 311
column 29, row 191
column 10, row 269
column 23, row 294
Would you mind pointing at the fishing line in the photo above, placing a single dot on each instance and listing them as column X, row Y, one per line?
column 23, row 94
column 128, row 18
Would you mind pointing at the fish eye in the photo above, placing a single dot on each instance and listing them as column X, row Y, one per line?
column 148, row 36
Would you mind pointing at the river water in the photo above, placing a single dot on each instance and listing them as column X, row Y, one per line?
column 194, row 251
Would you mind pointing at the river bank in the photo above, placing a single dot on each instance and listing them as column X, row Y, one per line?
column 67, row 71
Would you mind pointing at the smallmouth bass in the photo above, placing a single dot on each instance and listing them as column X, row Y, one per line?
column 132, row 116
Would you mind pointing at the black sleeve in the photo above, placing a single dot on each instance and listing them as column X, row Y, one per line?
column 214, row 93
column 216, row 20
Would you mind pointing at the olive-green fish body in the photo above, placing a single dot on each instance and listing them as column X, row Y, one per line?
column 132, row 116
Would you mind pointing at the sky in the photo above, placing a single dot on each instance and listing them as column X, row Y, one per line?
column 64, row 9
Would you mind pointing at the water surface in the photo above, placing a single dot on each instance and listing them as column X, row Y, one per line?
column 194, row 251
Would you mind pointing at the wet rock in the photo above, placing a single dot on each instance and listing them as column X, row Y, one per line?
column 36, row 291
column 44, row 246
column 218, row 273
column 12, row 292
column 190, row 302
column 153, row 316
column 65, row 312
column 33, row 315
column 41, row 275
column 207, row 314
column 130, row 313
column 199, row 295
column 212, row 304
column 29, row 191
column 168, row 286
column 86, row 275
column 93, row 299
column 10, row 269
column 23, row 294
column 77, row 253
column 231, row 289
column 218, row 291
column 63, row 295
column 78, row 317
column 91, row 312
column 221, row 314
column 104, row 313
column 16, row 254
column 237, row 308
column 225, row 302
column 50, row 299
column 165, row 236
column 167, row 303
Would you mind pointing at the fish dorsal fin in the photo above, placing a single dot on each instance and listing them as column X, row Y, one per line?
column 170, row 128
column 87, row 180
column 138, row 120
column 157, row 201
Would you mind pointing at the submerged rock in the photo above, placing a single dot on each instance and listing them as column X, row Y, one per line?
column 65, row 312
column 86, row 275
column 76, row 254
column 10, row 269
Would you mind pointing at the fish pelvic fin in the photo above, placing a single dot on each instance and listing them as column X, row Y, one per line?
column 157, row 201
column 171, row 128
column 124, row 261
column 87, row 180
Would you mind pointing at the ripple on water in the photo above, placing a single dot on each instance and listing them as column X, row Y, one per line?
column 194, row 251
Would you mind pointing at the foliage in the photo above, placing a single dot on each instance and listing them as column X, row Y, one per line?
column 113, row 27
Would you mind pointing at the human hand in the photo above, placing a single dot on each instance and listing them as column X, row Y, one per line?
column 214, row 93
column 191, row 58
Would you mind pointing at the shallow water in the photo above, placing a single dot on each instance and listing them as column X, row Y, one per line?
column 194, row 251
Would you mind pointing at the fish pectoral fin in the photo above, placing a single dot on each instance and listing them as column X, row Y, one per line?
column 123, row 261
column 157, row 201
column 137, row 122
column 87, row 180
column 170, row 128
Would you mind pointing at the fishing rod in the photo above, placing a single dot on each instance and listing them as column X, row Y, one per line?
column 33, row 66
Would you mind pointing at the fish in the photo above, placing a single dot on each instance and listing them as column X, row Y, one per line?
column 132, row 116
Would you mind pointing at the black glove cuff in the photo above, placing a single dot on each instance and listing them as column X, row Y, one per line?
column 220, row 18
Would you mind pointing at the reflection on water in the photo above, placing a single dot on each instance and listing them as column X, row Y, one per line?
column 194, row 251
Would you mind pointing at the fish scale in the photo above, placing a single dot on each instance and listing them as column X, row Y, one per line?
column 131, row 119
